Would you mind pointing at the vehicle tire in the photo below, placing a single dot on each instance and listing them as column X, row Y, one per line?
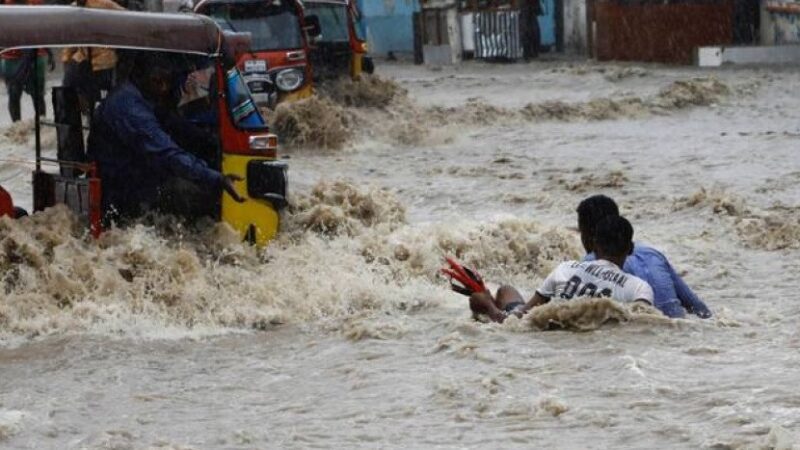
column 368, row 65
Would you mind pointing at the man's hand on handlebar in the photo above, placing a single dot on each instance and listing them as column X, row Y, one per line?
column 228, row 186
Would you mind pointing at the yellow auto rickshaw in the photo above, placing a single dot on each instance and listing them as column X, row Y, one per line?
column 341, row 48
column 219, row 102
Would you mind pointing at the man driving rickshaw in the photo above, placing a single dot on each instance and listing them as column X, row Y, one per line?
column 135, row 135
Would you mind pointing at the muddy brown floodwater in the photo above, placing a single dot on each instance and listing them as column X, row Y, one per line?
column 340, row 334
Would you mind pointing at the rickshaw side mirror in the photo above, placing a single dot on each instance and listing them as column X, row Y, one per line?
column 312, row 26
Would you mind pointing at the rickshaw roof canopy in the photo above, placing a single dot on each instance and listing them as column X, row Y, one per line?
column 218, row 2
column 335, row 2
column 199, row 5
column 72, row 26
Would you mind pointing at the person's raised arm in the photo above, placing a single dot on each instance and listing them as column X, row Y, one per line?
column 483, row 303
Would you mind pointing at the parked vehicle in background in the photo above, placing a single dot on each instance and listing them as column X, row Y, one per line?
column 276, row 69
column 340, row 49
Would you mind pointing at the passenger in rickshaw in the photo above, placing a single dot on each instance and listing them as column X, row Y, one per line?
column 140, row 145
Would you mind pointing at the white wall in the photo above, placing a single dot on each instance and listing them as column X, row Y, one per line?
column 575, row 27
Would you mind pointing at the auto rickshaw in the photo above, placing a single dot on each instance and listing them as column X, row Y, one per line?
column 245, row 146
column 341, row 49
column 276, row 68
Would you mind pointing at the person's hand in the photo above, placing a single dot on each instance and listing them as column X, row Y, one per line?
column 702, row 313
column 228, row 186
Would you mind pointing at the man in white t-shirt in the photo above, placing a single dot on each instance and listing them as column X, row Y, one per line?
column 600, row 278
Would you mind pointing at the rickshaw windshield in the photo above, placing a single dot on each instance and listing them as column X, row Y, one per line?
column 243, row 109
column 271, row 27
column 332, row 21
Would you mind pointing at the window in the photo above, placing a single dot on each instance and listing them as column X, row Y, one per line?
column 332, row 21
column 271, row 27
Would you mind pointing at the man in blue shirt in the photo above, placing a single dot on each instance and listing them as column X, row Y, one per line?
column 136, row 157
column 672, row 296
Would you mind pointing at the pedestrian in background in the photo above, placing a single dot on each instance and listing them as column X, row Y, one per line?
column 23, row 71
column 90, row 69
column 530, row 10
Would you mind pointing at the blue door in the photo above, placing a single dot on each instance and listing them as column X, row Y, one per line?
column 389, row 24
column 547, row 23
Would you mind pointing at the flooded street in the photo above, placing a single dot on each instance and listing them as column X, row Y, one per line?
column 341, row 335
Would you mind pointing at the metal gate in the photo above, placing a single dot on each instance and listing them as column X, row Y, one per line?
column 497, row 35
column 656, row 31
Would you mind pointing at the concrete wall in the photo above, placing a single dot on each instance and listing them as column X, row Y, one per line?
column 448, row 52
column 454, row 34
column 765, row 21
column 575, row 27
column 753, row 55
column 389, row 25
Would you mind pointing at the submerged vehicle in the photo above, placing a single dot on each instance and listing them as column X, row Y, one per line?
column 341, row 48
column 276, row 69
column 213, row 96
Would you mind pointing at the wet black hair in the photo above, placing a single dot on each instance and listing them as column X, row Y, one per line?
column 594, row 209
column 613, row 236
column 149, row 68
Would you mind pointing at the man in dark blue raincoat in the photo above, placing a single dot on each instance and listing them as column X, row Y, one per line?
column 138, row 159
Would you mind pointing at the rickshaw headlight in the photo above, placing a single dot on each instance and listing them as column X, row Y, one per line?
column 264, row 142
column 289, row 79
